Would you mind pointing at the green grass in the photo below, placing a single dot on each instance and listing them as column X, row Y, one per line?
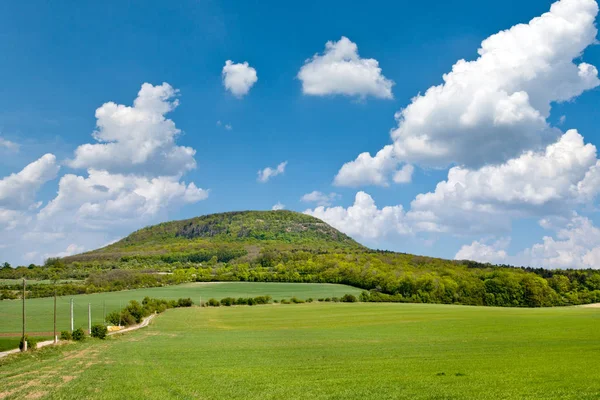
column 9, row 343
column 329, row 351
column 40, row 311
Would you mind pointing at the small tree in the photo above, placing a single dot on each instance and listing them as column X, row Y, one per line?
column 349, row 298
column 65, row 335
column 99, row 331
column 78, row 334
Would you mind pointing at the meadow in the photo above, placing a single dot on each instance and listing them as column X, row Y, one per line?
column 327, row 351
column 40, row 311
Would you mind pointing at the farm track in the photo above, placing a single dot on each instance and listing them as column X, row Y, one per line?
column 45, row 343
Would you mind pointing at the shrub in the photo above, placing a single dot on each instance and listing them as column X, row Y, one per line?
column 213, row 303
column 114, row 318
column 296, row 300
column 228, row 301
column 185, row 302
column 349, row 298
column 65, row 335
column 335, row 299
column 262, row 299
column 327, row 299
column 31, row 343
column 284, row 301
column 241, row 301
column 136, row 310
column 251, row 301
column 99, row 331
column 364, row 296
column 321, row 299
column 309, row 300
column 78, row 334
column 275, row 301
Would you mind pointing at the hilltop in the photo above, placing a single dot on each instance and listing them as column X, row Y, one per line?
column 226, row 236
column 285, row 246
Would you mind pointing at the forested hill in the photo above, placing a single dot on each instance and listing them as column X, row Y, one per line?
column 284, row 246
column 226, row 236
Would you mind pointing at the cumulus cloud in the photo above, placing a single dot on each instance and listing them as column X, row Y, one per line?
column 340, row 70
column 368, row 170
column 493, row 253
column 265, row 174
column 18, row 190
column 364, row 219
column 553, row 181
column 69, row 251
column 497, row 104
column 576, row 244
column 133, row 178
column 104, row 199
column 321, row 199
column 238, row 78
column 137, row 139
column 7, row 144
column 278, row 206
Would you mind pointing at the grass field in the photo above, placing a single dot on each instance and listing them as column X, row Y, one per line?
column 328, row 351
column 40, row 311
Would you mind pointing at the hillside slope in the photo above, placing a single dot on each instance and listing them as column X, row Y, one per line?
column 227, row 236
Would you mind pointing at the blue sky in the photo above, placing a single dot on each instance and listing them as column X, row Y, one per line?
column 64, row 61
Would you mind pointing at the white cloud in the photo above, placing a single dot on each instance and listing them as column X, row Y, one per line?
column 7, row 144
column 340, row 70
column 322, row 199
column 548, row 182
column 70, row 250
column 17, row 191
column 576, row 244
column 132, row 180
column 265, row 174
column 238, row 78
column 363, row 219
column 137, row 139
column 499, row 103
column 367, row 170
column 404, row 175
column 493, row 253
column 278, row 206
column 104, row 199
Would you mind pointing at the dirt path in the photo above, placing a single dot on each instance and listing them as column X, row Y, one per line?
column 143, row 324
column 593, row 305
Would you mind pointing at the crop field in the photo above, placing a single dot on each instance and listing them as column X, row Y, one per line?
column 327, row 351
column 40, row 311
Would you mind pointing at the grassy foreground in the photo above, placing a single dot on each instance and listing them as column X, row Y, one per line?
column 40, row 311
column 328, row 351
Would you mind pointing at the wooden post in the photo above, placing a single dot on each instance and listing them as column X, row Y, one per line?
column 24, row 341
column 71, row 315
column 55, row 336
column 89, row 318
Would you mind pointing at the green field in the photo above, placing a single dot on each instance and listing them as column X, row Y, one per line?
column 328, row 351
column 40, row 311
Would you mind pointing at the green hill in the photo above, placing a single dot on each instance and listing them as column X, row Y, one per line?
column 285, row 246
column 226, row 236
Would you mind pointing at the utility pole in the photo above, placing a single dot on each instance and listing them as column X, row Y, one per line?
column 24, row 341
column 104, row 312
column 71, row 315
column 55, row 336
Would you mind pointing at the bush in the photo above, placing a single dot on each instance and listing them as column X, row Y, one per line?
column 213, row 303
column 327, row 299
column 296, row 300
column 99, row 331
column 364, row 296
column 31, row 343
column 349, row 298
column 185, row 302
column 65, row 335
column 78, row 334
column 241, row 301
column 275, row 301
column 262, row 299
column 284, row 301
column 309, row 300
column 228, row 301
column 321, row 299
column 335, row 299
column 114, row 318
column 136, row 310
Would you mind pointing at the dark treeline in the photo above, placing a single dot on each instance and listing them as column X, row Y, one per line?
column 387, row 276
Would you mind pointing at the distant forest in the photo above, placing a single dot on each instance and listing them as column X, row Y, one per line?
column 385, row 276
